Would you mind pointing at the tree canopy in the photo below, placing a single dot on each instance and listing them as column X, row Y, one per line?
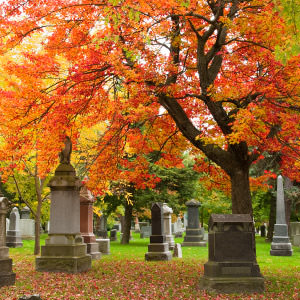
column 203, row 72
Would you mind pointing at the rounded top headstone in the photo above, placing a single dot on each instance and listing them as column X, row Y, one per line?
column 25, row 213
column 192, row 202
column 15, row 210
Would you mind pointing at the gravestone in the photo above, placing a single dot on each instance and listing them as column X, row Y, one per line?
column 280, row 245
column 13, row 235
column 136, row 225
column 263, row 230
column 86, row 223
column 113, row 235
column 64, row 250
column 193, row 234
column 167, row 212
column 7, row 277
column 177, row 251
column 102, row 231
column 145, row 231
column 27, row 225
column 231, row 266
column 294, row 233
column 158, row 249
column 7, row 224
column 104, row 246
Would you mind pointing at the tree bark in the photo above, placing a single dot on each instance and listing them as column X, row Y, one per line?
column 127, row 223
column 272, row 218
column 240, row 192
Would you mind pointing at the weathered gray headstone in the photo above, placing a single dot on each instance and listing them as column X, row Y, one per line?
column 158, row 249
column 7, row 224
column 104, row 246
column 27, row 225
column 167, row 212
column 231, row 266
column 102, row 230
column 294, row 233
column 145, row 231
column 7, row 277
column 64, row 250
column 194, row 235
column 13, row 235
column 177, row 251
column 280, row 245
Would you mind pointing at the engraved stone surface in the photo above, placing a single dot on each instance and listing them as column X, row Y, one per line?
column 167, row 212
column 280, row 245
column 104, row 246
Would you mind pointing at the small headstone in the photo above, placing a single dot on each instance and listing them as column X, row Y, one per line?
column 7, row 224
column 158, row 249
column 13, row 236
column 102, row 232
column 294, row 233
column 7, row 277
column 194, row 235
column 113, row 235
column 104, row 246
column 280, row 245
column 25, row 213
column 145, row 231
column 167, row 212
column 231, row 266
column 177, row 251
column 263, row 230
column 27, row 225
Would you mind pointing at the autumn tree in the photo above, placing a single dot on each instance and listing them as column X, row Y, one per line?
column 204, row 68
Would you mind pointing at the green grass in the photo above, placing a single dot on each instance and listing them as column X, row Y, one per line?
column 126, row 275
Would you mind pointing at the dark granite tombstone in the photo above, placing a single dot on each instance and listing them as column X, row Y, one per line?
column 158, row 249
column 263, row 230
column 194, row 235
column 113, row 234
column 7, row 277
column 231, row 266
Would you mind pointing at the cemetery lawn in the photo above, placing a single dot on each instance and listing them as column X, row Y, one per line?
column 126, row 275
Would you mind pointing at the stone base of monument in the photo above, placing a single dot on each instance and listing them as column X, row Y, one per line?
column 7, row 277
column 170, row 241
column 193, row 238
column 281, row 245
column 158, row 251
column 229, row 285
column 13, row 239
column 93, row 250
column 104, row 246
column 64, row 253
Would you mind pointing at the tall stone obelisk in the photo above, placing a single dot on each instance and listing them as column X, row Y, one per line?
column 280, row 245
column 64, row 250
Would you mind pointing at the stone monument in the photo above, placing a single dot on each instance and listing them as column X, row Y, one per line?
column 280, row 245
column 13, row 235
column 231, row 266
column 64, row 250
column 294, row 233
column 86, row 222
column 104, row 246
column 27, row 228
column 193, row 234
column 167, row 212
column 158, row 249
column 113, row 235
column 7, row 277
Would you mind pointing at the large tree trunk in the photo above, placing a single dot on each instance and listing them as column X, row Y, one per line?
column 240, row 192
column 127, row 223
